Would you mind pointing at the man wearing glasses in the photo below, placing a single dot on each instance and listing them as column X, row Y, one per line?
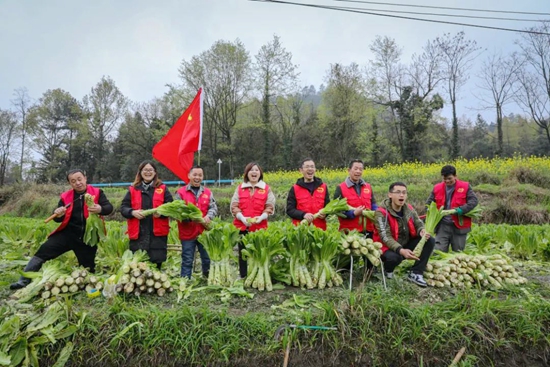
column 307, row 197
column 399, row 228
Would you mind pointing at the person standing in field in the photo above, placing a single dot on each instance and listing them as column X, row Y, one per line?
column 198, row 195
column 308, row 196
column 360, row 196
column 251, row 205
column 149, row 233
column 399, row 229
column 71, row 213
column 453, row 194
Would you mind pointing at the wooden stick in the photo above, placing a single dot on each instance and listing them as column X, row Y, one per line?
column 287, row 354
column 50, row 218
column 458, row 356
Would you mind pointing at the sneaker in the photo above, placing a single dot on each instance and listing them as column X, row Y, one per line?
column 389, row 274
column 417, row 279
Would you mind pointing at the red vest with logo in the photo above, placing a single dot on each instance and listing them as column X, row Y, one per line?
column 161, row 226
column 191, row 230
column 311, row 203
column 354, row 200
column 394, row 226
column 252, row 205
column 459, row 198
column 68, row 198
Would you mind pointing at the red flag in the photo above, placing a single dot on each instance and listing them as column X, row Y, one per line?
column 177, row 148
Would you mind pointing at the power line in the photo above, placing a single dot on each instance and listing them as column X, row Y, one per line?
column 401, row 17
column 444, row 7
column 437, row 14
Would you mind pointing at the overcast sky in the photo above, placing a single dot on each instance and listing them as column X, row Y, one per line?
column 71, row 44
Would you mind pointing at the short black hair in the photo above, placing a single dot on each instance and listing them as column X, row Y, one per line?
column 195, row 166
column 305, row 160
column 355, row 161
column 448, row 170
column 73, row 171
column 398, row 183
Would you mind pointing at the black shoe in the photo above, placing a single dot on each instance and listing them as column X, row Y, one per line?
column 21, row 283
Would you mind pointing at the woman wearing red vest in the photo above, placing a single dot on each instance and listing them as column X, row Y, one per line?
column 399, row 229
column 307, row 197
column 203, row 199
column 251, row 204
column 147, row 233
column 453, row 194
column 71, row 213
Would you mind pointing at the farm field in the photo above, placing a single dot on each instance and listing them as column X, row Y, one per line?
column 201, row 325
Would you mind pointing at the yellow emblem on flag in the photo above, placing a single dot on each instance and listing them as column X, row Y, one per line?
column 190, row 118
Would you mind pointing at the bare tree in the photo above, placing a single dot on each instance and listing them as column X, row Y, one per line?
column 458, row 54
column 498, row 75
column 275, row 75
column 22, row 103
column 8, row 133
column 534, row 78
column 106, row 107
column 226, row 75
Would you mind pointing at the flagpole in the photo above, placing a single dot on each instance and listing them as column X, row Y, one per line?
column 199, row 159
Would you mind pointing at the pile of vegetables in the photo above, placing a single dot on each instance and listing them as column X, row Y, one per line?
column 464, row 271
column 70, row 283
column 179, row 210
column 26, row 334
column 260, row 249
column 219, row 242
column 355, row 244
column 334, row 207
column 136, row 276
column 95, row 228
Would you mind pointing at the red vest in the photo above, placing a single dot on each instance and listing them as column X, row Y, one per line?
column 311, row 203
column 394, row 226
column 68, row 197
column 161, row 226
column 252, row 206
column 459, row 198
column 191, row 230
column 355, row 201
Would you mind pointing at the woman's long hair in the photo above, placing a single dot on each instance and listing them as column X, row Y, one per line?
column 156, row 182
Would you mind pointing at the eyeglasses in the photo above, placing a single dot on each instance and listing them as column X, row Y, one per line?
column 399, row 192
column 308, row 166
column 147, row 170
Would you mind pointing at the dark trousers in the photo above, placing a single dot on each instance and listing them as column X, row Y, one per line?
column 64, row 241
column 392, row 259
column 243, row 266
column 188, row 255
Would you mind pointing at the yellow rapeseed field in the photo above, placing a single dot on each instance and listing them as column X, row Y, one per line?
column 419, row 172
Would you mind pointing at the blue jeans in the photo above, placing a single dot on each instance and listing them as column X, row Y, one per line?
column 188, row 255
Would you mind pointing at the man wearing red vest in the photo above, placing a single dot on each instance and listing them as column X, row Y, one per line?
column 307, row 197
column 453, row 194
column 201, row 197
column 148, row 233
column 71, row 213
column 399, row 229
column 360, row 196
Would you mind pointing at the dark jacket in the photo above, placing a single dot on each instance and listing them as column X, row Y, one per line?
column 77, row 223
column 384, row 231
column 156, row 246
column 291, row 210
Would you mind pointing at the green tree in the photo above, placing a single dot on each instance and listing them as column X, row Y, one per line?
column 9, row 129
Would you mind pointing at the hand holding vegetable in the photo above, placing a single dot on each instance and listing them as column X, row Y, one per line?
column 309, row 217
column 96, row 208
column 359, row 211
column 424, row 233
column 408, row 254
column 137, row 214
column 260, row 218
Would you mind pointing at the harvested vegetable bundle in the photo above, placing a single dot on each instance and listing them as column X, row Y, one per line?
column 95, row 228
column 336, row 207
column 259, row 249
column 433, row 217
column 356, row 244
column 65, row 283
column 219, row 242
column 463, row 271
column 326, row 245
column 51, row 271
column 179, row 210
column 365, row 216
column 475, row 213
column 298, row 243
